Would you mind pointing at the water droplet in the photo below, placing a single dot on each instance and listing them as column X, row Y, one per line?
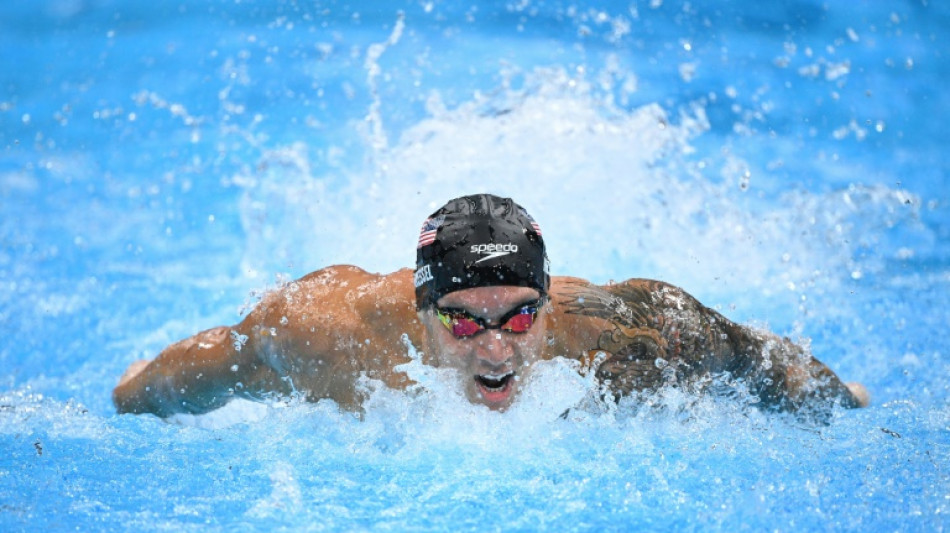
column 744, row 180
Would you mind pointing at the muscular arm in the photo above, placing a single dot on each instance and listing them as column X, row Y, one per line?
column 656, row 334
column 196, row 375
column 785, row 376
column 315, row 336
column 260, row 355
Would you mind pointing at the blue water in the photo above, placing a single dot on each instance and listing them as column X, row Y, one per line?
column 162, row 164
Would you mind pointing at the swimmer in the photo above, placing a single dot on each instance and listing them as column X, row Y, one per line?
column 481, row 301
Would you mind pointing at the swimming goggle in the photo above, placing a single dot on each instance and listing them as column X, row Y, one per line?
column 464, row 324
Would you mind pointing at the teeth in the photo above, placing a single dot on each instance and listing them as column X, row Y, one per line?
column 494, row 382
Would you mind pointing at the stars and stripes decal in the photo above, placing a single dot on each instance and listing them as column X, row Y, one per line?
column 429, row 229
column 534, row 225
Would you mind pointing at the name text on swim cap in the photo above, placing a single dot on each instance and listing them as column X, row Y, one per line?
column 423, row 274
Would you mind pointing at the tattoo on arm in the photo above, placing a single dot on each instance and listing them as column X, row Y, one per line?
column 629, row 313
column 654, row 333
column 645, row 321
column 632, row 337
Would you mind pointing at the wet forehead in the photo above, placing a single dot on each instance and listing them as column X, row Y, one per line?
column 489, row 302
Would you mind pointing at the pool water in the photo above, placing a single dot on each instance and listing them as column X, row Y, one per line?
column 164, row 164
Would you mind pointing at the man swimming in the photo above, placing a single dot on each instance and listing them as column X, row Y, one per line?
column 480, row 301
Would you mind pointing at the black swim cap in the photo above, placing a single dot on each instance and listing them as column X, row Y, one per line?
column 478, row 241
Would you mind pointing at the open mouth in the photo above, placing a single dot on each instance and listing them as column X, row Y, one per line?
column 495, row 388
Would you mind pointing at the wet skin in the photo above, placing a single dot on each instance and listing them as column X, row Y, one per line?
column 493, row 363
column 322, row 333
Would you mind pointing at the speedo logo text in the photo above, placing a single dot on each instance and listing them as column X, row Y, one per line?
column 493, row 250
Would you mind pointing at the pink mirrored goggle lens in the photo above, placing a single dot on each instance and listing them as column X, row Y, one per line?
column 463, row 324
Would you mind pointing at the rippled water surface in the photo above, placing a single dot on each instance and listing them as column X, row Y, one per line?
column 162, row 164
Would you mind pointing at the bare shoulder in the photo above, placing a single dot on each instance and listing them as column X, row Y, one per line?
column 617, row 318
column 337, row 277
column 632, row 302
column 334, row 307
column 647, row 316
column 339, row 289
column 340, row 317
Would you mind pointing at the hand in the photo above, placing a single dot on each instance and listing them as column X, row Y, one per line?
column 133, row 370
column 860, row 393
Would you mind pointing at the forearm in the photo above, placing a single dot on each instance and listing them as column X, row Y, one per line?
column 194, row 376
column 814, row 385
column 161, row 390
column 785, row 376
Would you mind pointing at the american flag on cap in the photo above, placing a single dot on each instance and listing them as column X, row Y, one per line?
column 429, row 228
column 534, row 225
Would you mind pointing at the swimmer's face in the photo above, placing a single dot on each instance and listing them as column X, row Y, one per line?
column 493, row 363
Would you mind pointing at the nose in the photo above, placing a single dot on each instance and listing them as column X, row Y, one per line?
column 495, row 349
